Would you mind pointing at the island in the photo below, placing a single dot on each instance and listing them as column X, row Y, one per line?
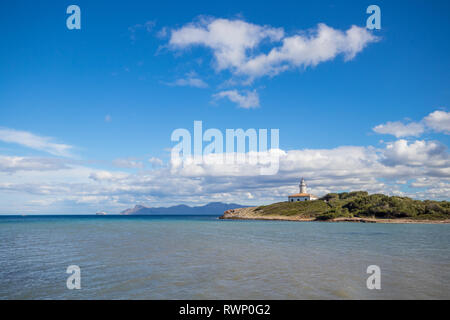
column 357, row 206
column 212, row 208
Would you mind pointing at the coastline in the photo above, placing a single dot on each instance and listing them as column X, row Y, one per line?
column 249, row 214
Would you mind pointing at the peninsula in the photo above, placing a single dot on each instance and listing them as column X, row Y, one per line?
column 357, row 206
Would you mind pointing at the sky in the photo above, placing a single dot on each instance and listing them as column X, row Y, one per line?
column 87, row 115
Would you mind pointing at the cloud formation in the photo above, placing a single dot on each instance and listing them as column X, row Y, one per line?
column 155, row 162
column 14, row 164
column 418, row 153
column 235, row 44
column 128, row 163
column 420, row 169
column 399, row 129
column 247, row 100
column 35, row 142
column 320, row 45
column 229, row 39
column 191, row 80
column 437, row 121
column 249, row 51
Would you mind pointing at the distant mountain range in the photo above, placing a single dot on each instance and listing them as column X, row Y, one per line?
column 213, row 208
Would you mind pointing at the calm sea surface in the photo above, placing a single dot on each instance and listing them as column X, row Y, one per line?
column 196, row 257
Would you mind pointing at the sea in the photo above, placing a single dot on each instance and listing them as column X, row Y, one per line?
column 202, row 257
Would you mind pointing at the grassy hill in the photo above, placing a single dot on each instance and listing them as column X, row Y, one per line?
column 361, row 205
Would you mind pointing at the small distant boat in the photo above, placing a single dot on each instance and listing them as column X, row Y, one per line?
column 101, row 213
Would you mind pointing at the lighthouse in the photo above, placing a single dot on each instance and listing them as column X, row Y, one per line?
column 303, row 195
column 302, row 186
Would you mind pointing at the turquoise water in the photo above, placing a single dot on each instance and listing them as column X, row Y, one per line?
column 197, row 257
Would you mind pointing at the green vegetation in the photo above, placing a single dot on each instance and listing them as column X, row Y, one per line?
column 360, row 204
column 306, row 209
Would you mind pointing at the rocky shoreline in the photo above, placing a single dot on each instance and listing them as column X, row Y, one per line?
column 250, row 213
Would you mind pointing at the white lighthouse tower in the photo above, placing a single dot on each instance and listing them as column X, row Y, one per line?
column 303, row 195
column 302, row 186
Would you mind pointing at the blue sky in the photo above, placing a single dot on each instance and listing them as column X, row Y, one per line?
column 82, row 112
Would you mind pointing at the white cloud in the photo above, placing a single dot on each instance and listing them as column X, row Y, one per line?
column 13, row 164
column 418, row 153
column 229, row 39
column 128, row 163
column 191, row 80
column 235, row 42
column 438, row 121
column 247, row 100
column 399, row 129
column 322, row 44
column 156, row 162
column 104, row 175
column 36, row 142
